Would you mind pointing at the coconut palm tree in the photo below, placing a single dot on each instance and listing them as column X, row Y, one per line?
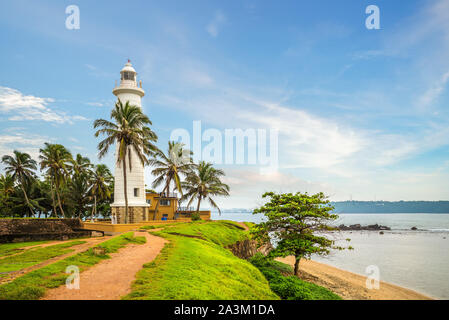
column 100, row 189
column 21, row 167
column 56, row 160
column 129, row 130
column 169, row 167
column 7, row 191
column 202, row 183
column 80, row 166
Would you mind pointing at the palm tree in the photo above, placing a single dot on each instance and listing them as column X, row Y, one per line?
column 56, row 159
column 202, row 183
column 7, row 190
column 131, row 132
column 169, row 167
column 100, row 185
column 21, row 167
column 80, row 166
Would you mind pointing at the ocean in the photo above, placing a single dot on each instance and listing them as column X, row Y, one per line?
column 418, row 260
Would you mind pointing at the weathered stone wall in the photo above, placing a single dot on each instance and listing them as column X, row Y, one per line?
column 18, row 230
column 135, row 214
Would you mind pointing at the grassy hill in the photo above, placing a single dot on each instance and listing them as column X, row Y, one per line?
column 196, row 265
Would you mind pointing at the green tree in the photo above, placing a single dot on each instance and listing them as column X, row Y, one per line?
column 203, row 183
column 297, row 222
column 129, row 130
column 21, row 167
column 7, row 191
column 55, row 159
column 169, row 167
column 100, row 189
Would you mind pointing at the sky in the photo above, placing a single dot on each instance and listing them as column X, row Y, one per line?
column 360, row 113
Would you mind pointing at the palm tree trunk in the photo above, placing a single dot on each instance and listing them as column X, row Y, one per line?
column 26, row 199
column 198, row 206
column 59, row 200
column 53, row 199
column 93, row 208
column 126, row 189
column 157, row 203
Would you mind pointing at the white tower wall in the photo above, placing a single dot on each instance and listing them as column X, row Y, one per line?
column 128, row 90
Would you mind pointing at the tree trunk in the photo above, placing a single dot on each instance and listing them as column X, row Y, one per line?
column 59, row 201
column 126, row 189
column 26, row 199
column 93, row 208
column 198, row 205
column 297, row 259
column 157, row 203
column 53, row 199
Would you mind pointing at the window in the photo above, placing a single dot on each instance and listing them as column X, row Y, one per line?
column 136, row 192
column 165, row 202
column 149, row 201
column 128, row 75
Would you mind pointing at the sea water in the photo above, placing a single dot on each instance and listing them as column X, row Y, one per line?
column 418, row 260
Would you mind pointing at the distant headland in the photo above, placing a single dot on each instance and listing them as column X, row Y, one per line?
column 377, row 207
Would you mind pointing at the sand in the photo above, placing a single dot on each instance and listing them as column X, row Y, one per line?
column 111, row 279
column 348, row 285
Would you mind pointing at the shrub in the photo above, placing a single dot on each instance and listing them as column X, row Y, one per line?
column 195, row 216
column 289, row 287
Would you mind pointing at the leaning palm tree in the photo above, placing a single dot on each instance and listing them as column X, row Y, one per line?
column 100, row 189
column 169, row 167
column 202, row 183
column 130, row 131
column 56, row 160
column 21, row 167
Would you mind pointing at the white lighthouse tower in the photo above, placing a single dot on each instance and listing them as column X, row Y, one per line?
column 129, row 90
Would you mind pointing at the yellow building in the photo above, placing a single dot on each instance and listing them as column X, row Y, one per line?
column 169, row 208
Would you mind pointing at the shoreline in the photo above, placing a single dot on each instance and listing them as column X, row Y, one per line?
column 349, row 285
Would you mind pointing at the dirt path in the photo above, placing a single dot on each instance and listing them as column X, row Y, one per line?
column 348, row 285
column 90, row 242
column 111, row 279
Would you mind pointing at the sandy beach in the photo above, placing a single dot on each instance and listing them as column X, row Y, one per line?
column 350, row 286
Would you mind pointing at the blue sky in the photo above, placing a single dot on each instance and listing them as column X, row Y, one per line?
column 361, row 113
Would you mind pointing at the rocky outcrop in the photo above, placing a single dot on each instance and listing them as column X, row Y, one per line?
column 359, row 227
column 245, row 249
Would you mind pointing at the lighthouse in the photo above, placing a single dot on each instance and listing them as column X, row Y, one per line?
column 129, row 91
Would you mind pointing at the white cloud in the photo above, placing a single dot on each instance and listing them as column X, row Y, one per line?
column 20, row 107
column 213, row 28
column 24, row 142
column 433, row 93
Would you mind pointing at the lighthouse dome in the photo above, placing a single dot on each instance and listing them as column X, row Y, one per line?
column 128, row 68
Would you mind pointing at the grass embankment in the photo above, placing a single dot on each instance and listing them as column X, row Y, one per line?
column 34, row 256
column 286, row 285
column 8, row 249
column 195, row 265
column 33, row 285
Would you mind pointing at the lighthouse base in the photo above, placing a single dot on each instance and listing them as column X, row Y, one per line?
column 135, row 214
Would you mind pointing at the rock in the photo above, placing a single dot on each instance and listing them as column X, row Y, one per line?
column 414, row 228
column 357, row 227
column 381, row 232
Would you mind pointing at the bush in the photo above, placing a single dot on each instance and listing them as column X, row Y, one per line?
column 289, row 287
column 195, row 216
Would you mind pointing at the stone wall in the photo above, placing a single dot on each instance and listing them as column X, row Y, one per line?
column 19, row 230
column 135, row 214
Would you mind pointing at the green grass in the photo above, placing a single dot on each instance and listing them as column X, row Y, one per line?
column 195, row 265
column 13, row 248
column 33, row 285
column 34, row 256
column 290, row 287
